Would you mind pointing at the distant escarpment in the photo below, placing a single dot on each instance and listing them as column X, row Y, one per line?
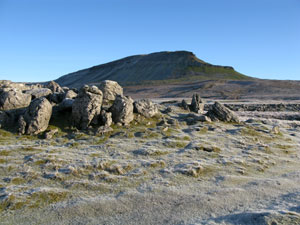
column 155, row 68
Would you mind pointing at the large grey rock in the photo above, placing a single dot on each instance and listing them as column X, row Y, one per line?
column 13, row 99
column 111, row 89
column 54, row 87
column 39, row 92
column 106, row 118
column 71, row 94
column 193, row 118
column 12, row 85
column 122, row 110
column 36, row 118
column 56, row 97
column 86, row 106
column 197, row 104
column 220, row 112
column 184, row 105
column 146, row 108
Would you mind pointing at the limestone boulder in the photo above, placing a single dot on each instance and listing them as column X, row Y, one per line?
column 111, row 89
column 122, row 110
column 70, row 94
column 56, row 97
column 39, row 92
column 222, row 113
column 12, row 85
column 145, row 107
column 184, row 105
column 36, row 117
column 54, row 87
column 106, row 118
column 197, row 104
column 86, row 106
column 13, row 99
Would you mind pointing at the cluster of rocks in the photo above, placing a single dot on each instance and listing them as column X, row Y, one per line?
column 29, row 107
column 215, row 112
column 264, row 107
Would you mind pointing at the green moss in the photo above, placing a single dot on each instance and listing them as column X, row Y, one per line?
column 7, row 202
column 159, row 153
column 169, row 132
column 156, row 164
column 5, row 134
column 256, row 135
column 130, row 134
column 30, row 149
column 41, row 162
column 102, row 139
column 203, row 130
column 186, row 138
column 176, row 144
column 74, row 145
column 96, row 155
column 43, row 198
column 283, row 147
column 28, row 137
column 4, row 153
column 17, row 180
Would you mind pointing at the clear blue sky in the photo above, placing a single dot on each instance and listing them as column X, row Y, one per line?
column 43, row 39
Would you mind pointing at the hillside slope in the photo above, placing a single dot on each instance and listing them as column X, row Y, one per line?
column 155, row 68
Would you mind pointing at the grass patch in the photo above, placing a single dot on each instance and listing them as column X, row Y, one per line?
column 30, row 149
column 5, row 134
column 43, row 198
column 176, row 144
column 203, row 130
column 74, row 145
column 170, row 132
column 4, row 153
column 159, row 163
column 17, row 181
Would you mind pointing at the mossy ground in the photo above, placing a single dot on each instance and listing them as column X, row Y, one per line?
column 75, row 164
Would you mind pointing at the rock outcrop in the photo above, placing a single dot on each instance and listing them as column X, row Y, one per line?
column 39, row 92
column 122, row 110
column 146, row 108
column 54, row 87
column 36, row 118
column 197, row 104
column 110, row 89
column 13, row 99
column 86, row 106
column 105, row 118
column 70, row 94
column 184, row 105
column 220, row 112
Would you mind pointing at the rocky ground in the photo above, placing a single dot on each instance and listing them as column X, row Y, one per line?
column 181, row 171
column 94, row 156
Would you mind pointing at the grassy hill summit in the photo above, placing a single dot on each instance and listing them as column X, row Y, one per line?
column 155, row 68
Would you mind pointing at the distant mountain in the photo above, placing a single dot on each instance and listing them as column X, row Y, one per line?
column 155, row 68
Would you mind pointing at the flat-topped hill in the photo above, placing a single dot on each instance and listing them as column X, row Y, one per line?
column 155, row 68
